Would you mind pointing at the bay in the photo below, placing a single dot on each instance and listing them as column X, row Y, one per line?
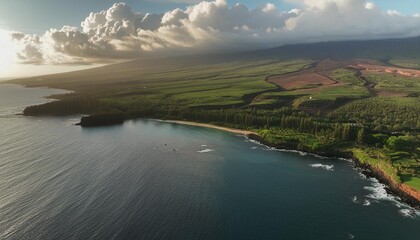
column 152, row 180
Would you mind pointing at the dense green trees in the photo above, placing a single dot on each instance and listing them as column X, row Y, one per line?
column 400, row 143
column 382, row 113
column 102, row 119
column 286, row 126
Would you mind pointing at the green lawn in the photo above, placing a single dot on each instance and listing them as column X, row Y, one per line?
column 411, row 181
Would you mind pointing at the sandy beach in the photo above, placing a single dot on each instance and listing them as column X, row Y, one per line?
column 232, row 130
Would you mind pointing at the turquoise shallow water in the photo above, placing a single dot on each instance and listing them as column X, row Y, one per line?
column 153, row 180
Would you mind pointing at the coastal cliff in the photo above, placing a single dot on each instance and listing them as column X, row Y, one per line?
column 403, row 191
column 406, row 193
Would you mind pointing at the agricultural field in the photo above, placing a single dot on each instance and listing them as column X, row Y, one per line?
column 393, row 84
column 322, row 88
column 317, row 87
column 210, row 85
column 321, row 106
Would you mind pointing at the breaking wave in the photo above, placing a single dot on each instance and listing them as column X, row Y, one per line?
column 326, row 167
column 378, row 192
column 366, row 203
column 267, row 148
column 206, row 150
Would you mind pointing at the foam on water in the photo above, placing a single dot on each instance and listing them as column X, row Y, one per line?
column 409, row 212
column 379, row 193
column 267, row 148
column 71, row 121
column 360, row 173
column 366, row 203
column 253, row 141
column 206, row 150
column 378, row 190
column 323, row 166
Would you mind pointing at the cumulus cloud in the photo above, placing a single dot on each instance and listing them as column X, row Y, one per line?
column 29, row 52
column 176, row 1
column 121, row 32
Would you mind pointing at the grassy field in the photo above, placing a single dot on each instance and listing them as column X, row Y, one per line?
column 340, row 109
column 399, row 165
column 216, row 85
column 347, row 76
column 378, row 159
column 210, row 85
column 413, row 63
column 389, row 83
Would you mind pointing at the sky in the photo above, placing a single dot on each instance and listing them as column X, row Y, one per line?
column 55, row 35
column 41, row 15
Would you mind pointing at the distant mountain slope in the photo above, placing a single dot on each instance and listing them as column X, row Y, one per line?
column 373, row 49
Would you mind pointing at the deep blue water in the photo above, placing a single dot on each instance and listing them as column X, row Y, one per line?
column 152, row 180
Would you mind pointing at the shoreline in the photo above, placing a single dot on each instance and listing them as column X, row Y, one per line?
column 207, row 125
column 405, row 193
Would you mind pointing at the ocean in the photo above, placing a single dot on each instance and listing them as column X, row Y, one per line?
column 153, row 180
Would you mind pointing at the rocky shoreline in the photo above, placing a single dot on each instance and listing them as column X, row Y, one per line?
column 404, row 192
